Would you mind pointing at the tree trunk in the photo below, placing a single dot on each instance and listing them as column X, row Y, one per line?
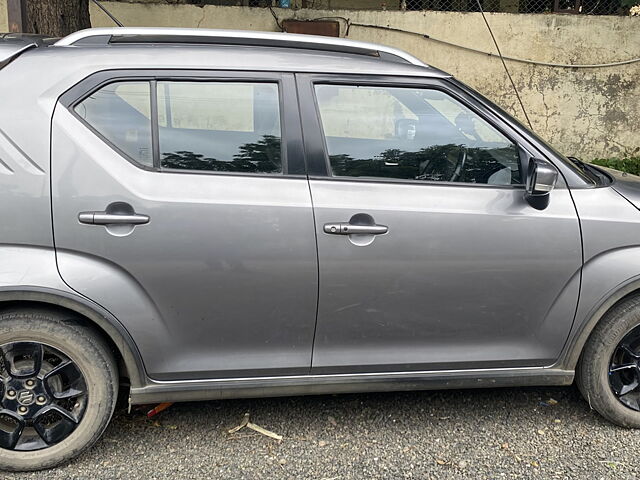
column 57, row 18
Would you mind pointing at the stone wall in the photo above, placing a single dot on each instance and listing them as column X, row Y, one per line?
column 4, row 24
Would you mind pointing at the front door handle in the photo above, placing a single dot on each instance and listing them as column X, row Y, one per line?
column 104, row 218
column 344, row 228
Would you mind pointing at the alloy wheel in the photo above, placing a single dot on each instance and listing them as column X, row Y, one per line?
column 624, row 370
column 43, row 396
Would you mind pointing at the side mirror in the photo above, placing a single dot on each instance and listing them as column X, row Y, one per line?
column 541, row 178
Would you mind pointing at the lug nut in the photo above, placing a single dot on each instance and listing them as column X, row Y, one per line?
column 22, row 409
column 41, row 399
column 30, row 383
column 11, row 393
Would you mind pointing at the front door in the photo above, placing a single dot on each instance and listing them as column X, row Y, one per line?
column 178, row 205
column 429, row 257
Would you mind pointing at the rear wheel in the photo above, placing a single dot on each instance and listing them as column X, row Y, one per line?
column 608, row 374
column 58, row 391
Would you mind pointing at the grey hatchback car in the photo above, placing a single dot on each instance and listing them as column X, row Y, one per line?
column 202, row 214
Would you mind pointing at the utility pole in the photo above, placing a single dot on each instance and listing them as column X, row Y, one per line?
column 17, row 15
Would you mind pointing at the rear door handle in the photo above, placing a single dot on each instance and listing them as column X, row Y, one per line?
column 104, row 218
column 344, row 228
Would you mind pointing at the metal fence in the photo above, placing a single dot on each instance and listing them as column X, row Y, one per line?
column 583, row 7
column 591, row 7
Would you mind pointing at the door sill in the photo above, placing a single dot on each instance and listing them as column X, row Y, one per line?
column 293, row 385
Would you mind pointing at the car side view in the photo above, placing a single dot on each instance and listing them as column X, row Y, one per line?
column 208, row 214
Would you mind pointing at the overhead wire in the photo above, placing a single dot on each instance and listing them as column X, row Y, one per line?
column 275, row 17
column 504, row 64
column 349, row 24
column 107, row 13
column 490, row 54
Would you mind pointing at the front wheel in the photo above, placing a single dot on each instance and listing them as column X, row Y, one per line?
column 58, row 392
column 608, row 374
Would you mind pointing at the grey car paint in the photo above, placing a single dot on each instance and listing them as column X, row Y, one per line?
column 627, row 185
column 535, row 340
column 465, row 277
column 228, row 262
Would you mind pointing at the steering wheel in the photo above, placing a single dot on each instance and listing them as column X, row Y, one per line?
column 426, row 171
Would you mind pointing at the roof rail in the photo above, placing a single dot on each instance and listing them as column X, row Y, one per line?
column 14, row 44
column 136, row 35
column 27, row 38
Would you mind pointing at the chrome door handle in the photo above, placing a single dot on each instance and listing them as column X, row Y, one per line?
column 344, row 228
column 104, row 218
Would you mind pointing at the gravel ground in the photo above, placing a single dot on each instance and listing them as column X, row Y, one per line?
column 485, row 434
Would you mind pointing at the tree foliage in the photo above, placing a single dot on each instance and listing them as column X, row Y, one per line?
column 629, row 165
column 260, row 157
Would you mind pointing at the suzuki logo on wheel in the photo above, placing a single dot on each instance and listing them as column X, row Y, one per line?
column 25, row 397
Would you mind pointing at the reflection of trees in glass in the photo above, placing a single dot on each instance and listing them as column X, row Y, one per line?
column 262, row 156
column 483, row 162
column 434, row 163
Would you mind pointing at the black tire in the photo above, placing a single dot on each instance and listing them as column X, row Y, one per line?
column 592, row 373
column 95, row 362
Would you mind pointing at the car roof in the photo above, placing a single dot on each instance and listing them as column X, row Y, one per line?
column 218, row 57
column 97, row 36
column 13, row 44
column 165, row 48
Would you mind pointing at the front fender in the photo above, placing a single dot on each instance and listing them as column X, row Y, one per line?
column 606, row 279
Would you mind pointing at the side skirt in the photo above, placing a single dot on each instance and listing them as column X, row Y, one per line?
column 196, row 390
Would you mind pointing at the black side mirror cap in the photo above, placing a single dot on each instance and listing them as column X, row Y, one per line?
column 541, row 179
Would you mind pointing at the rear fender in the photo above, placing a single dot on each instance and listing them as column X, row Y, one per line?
column 29, row 275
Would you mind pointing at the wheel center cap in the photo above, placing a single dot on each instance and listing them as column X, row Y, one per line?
column 26, row 397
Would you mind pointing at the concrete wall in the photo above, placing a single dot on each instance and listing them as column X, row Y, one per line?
column 584, row 112
column 4, row 24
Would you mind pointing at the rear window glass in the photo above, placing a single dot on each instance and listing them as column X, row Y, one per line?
column 204, row 125
column 219, row 126
column 121, row 113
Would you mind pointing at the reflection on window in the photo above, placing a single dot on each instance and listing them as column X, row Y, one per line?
column 414, row 134
column 219, row 126
column 120, row 112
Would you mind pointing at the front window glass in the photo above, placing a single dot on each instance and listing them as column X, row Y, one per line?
column 412, row 134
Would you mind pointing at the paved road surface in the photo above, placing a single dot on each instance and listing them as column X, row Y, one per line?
column 487, row 434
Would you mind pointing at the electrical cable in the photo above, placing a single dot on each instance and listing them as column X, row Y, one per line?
column 349, row 24
column 489, row 54
column 275, row 17
column 115, row 20
column 513, row 84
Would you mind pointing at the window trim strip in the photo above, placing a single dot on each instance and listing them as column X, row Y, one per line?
column 155, row 130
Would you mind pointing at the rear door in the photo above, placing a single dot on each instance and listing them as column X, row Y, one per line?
column 429, row 256
column 180, row 204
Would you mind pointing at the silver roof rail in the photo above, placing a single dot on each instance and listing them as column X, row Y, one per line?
column 14, row 44
column 103, row 36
